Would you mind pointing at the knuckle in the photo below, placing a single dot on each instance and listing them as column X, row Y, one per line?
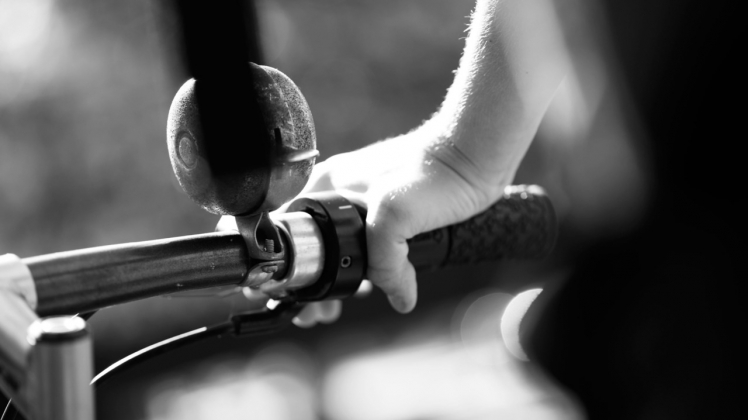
column 388, row 213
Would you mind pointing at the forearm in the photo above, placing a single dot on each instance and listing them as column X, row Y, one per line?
column 514, row 60
column 458, row 162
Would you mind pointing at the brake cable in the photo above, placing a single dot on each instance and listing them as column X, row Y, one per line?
column 266, row 321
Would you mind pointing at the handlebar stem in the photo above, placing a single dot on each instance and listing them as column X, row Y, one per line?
column 60, row 370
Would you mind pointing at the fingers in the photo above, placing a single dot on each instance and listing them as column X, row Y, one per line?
column 389, row 267
column 389, row 222
column 387, row 233
column 326, row 312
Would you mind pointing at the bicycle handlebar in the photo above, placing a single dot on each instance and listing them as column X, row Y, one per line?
column 88, row 279
column 521, row 225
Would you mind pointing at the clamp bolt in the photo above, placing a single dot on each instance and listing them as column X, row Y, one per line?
column 269, row 268
column 345, row 262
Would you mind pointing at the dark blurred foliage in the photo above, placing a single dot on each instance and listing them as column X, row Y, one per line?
column 82, row 114
column 648, row 324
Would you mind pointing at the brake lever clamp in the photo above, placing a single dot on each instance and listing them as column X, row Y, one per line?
column 264, row 247
column 343, row 234
column 325, row 251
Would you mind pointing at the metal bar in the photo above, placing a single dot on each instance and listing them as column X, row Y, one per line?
column 15, row 318
column 61, row 370
column 16, row 278
column 89, row 279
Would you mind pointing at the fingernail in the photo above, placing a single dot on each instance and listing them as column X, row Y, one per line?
column 399, row 304
column 301, row 323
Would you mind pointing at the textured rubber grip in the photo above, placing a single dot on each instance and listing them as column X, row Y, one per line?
column 520, row 225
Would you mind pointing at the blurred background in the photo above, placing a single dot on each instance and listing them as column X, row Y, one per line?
column 85, row 87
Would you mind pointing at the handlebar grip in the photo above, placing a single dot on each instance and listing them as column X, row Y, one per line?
column 520, row 225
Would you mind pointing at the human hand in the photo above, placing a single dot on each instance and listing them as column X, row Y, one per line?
column 456, row 164
column 410, row 184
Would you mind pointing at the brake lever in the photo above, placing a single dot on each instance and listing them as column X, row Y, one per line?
column 277, row 316
column 267, row 321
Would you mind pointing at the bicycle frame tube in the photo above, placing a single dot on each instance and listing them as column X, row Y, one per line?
column 15, row 317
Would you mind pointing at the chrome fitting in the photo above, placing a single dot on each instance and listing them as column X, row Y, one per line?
column 305, row 254
column 61, row 369
column 16, row 278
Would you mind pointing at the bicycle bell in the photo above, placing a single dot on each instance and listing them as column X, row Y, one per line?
column 261, row 147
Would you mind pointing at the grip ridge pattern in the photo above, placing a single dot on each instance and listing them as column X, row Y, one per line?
column 520, row 225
